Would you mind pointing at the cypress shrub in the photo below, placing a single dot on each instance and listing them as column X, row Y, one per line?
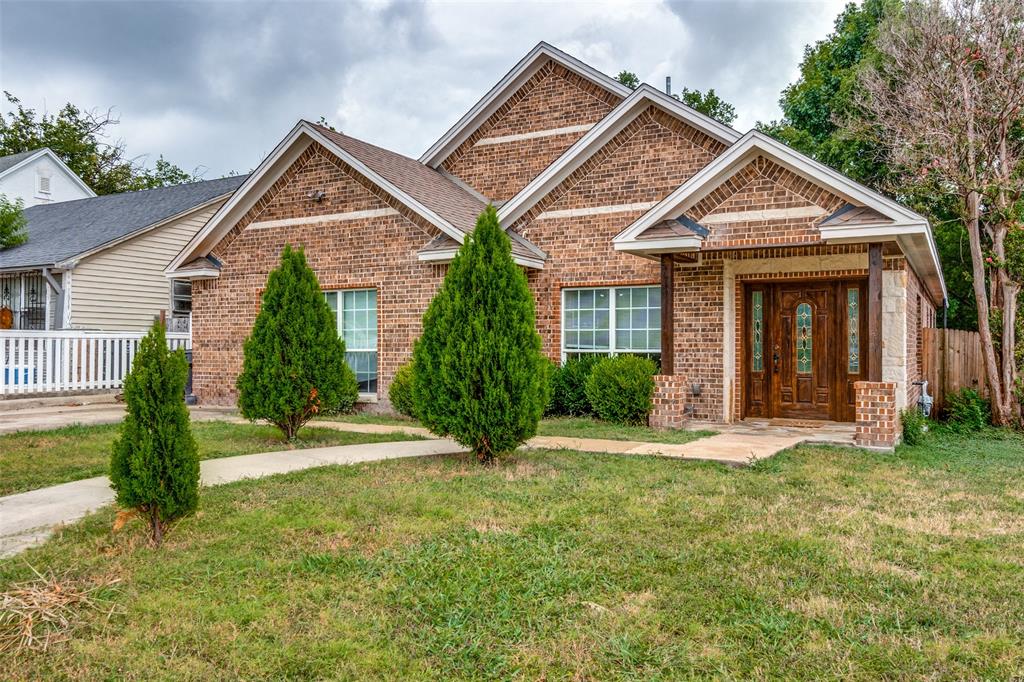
column 400, row 391
column 154, row 464
column 569, row 387
column 294, row 365
column 479, row 374
column 621, row 389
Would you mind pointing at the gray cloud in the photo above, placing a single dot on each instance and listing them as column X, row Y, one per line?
column 217, row 84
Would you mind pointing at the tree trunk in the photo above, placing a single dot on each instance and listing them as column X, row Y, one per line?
column 156, row 526
column 1011, row 291
column 999, row 414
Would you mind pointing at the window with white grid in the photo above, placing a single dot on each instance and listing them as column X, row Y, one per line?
column 356, row 315
column 611, row 321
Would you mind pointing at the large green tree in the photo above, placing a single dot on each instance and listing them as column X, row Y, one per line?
column 81, row 139
column 478, row 372
column 294, row 361
column 815, row 106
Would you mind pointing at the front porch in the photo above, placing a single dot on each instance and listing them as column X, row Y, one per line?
column 802, row 344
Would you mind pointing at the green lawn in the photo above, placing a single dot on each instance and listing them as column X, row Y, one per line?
column 35, row 459
column 573, row 427
column 818, row 564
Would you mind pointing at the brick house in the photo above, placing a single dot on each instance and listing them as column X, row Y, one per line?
column 781, row 288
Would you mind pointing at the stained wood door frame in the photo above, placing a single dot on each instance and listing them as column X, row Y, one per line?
column 759, row 389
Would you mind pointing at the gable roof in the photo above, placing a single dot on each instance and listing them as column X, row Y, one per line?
column 10, row 163
column 429, row 187
column 66, row 230
column 12, row 160
column 597, row 137
column 427, row 192
column 512, row 81
column 874, row 217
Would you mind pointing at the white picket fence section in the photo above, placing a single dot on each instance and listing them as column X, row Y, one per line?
column 73, row 360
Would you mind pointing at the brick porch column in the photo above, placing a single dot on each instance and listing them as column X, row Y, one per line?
column 669, row 401
column 877, row 421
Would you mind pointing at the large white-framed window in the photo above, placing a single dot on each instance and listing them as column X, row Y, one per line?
column 611, row 321
column 355, row 312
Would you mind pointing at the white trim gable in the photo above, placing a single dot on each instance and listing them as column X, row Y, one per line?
column 602, row 133
column 908, row 228
column 47, row 152
column 270, row 170
column 512, row 81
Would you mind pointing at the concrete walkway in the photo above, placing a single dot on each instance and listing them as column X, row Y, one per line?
column 56, row 416
column 733, row 448
column 27, row 519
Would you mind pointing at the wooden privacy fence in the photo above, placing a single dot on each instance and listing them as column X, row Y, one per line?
column 72, row 360
column 952, row 361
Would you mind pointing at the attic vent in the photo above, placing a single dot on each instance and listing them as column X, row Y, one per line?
column 44, row 184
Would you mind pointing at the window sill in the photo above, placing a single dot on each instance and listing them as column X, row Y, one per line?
column 367, row 398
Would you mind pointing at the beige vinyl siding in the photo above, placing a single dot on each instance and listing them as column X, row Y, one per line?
column 123, row 288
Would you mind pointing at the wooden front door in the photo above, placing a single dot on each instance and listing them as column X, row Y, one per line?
column 802, row 349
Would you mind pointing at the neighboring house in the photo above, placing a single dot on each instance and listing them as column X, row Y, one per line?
column 767, row 284
column 98, row 263
column 40, row 177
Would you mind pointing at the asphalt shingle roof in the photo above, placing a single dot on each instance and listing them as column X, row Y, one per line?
column 7, row 162
column 63, row 230
column 424, row 184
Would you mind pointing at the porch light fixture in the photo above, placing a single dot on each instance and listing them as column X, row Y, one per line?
column 695, row 389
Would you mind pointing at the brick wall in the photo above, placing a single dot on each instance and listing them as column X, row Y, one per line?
column 878, row 424
column 377, row 253
column 552, row 98
column 763, row 185
column 669, row 403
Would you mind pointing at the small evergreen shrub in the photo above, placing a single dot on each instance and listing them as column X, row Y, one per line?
column 569, row 387
column 621, row 389
column 294, row 360
column 480, row 376
column 967, row 411
column 400, row 391
column 154, row 463
column 915, row 426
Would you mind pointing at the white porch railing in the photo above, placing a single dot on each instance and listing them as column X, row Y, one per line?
column 70, row 360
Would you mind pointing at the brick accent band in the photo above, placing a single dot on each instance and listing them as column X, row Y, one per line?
column 878, row 423
column 669, row 403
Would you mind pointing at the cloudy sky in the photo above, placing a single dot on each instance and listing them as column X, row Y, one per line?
column 213, row 86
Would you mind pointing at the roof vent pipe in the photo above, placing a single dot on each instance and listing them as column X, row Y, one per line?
column 668, row 85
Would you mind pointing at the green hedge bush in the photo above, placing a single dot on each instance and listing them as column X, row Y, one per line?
column 967, row 411
column 621, row 389
column 400, row 391
column 569, row 387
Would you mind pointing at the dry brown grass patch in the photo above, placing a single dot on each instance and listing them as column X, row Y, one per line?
column 41, row 612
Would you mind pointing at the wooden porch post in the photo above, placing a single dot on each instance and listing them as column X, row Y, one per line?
column 667, row 314
column 874, row 312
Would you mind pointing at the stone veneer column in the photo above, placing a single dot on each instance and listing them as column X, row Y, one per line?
column 877, row 420
column 669, row 401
